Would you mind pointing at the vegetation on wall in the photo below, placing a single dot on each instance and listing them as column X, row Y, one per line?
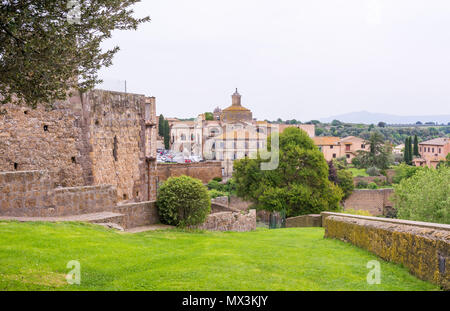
column 297, row 191
column 424, row 196
column 183, row 201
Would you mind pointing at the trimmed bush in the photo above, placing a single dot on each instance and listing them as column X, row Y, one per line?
column 362, row 184
column 373, row 171
column 183, row 201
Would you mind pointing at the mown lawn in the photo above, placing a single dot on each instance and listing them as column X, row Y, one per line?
column 358, row 172
column 33, row 256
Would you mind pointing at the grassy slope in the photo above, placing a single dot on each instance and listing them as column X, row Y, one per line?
column 33, row 256
column 358, row 172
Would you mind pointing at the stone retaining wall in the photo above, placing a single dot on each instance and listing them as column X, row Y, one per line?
column 32, row 194
column 230, row 221
column 374, row 201
column 424, row 248
column 137, row 214
column 205, row 171
column 311, row 220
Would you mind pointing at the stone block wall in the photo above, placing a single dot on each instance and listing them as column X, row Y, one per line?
column 230, row 221
column 423, row 248
column 311, row 220
column 205, row 171
column 99, row 137
column 374, row 201
column 43, row 139
column 137, row 214
column 33, row 194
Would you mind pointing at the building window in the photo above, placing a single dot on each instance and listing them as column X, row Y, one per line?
column 348, row 156
column 363, row 146
column 439, row 150
column 183, row 137
column 420, row 149
column 334, row 155
column 432, row 149
column 347, row 147
column 331, row 147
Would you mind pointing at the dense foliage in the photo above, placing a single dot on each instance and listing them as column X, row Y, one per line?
column 183, row 201
column 217, row 188
column 49, row 47
column 379, row 155
column 424, row 196
column 299, row 185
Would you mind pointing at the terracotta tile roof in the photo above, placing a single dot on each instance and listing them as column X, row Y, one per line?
column 325, row 140
column 441, row 141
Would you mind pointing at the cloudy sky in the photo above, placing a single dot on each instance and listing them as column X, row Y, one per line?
column 302, row 59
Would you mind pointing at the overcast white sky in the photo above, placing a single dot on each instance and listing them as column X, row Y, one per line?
column 302, row 59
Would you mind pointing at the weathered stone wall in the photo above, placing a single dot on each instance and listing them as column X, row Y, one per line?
column 205, row 171
column 117, row 136
column 379, row 180
column 36, row 139
column 230, row 221
column 424, row 248
column 137, row 214
column 33, row 194
column 99, row 137
column 311, row 220
column 372, row 200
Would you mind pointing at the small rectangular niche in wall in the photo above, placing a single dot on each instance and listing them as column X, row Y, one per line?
column 16, row 166
column 115, row 148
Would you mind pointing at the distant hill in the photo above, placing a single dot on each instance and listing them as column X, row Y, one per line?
column 370, row 117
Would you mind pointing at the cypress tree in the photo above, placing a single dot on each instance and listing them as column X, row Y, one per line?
column 416, row 146
column 161, row 125
column 405, row 152
column 410, row 152
column 166, row 134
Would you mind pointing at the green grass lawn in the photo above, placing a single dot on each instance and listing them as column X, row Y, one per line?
column 358, row 172
column 33, row 256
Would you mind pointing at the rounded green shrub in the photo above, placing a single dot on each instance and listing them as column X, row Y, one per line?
column 373, row 171
column 183, row 201
column 372, row 185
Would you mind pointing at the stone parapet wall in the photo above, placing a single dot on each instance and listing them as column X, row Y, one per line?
column 205, row 171
column 137, row 214
column 33, row 194
column 311, row 220
column 230, row 221
column 374, row 201
column 424, row 248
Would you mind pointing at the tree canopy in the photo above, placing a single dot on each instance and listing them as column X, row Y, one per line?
column 48, row 48
column 299, row 185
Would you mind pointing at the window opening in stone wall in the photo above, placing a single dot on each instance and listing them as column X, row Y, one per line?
column 16, row 166
column 45, row 128
column 74, row 160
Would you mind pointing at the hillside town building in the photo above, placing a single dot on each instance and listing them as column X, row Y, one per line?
column 432, row 152
column 335, row 147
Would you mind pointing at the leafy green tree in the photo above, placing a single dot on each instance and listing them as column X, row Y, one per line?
column 345, row 182
column 336, row 122
column 379, row 154
column 183, row 201
column 299, row 185
column 424, row 196
column 209, row 116
column 46, row 49
column 381, row 124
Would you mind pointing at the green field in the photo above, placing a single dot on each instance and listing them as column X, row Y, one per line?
column 33, row 256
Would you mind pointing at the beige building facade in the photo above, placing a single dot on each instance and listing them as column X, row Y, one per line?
column 335, row 147
column 432, row 152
